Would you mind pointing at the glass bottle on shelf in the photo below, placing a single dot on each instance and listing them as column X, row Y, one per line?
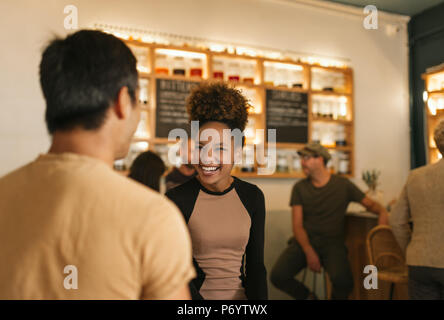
column 234, row 71
column 328, row 84
column 344, row 163
column 342, row 109
column 281, row 77
column 339, row 82
column 316, row 133
column 161, row 64
column 218, row 69
column 328, row 108
column 270, row 75
column 179, row 66
column 196, row 68
column 143, row 92
column 340, row 135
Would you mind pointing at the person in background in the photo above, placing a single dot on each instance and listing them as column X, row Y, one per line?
column 225, row 215
column 148, row 169
column 183, row 173
column 70, row 226
column 422, row 203
column 319, row 203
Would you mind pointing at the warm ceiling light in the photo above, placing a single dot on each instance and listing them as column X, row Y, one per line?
column 181, row 53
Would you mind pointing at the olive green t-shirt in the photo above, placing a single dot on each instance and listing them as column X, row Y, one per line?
column 324, row 208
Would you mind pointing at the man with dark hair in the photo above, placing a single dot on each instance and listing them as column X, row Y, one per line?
column 319, row 203
column 71, row 227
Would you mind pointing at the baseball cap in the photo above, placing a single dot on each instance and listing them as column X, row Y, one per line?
column 315, row 150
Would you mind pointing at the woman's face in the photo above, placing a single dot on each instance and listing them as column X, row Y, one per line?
column 216, row 156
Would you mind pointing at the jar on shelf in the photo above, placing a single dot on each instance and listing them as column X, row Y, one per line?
column 196, row 68
column 282, row 163
column 248, row 159
column 328, row 83
column 269, row 76
column 218, row 70
column 161, row 64
column 296, row 164
column 315, row 108
column 296, row 79
column 328, row 135
column 248, row 71
column 233, row 71
column 179, row 66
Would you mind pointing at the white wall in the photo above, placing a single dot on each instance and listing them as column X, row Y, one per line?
column 379, row 63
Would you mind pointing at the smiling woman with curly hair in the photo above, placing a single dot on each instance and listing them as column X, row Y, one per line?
column 225, row 215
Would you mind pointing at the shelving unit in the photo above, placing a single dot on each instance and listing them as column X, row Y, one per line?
column 333, row 107
column 434, row 108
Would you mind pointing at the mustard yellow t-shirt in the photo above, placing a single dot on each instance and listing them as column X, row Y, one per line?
column 72, row 228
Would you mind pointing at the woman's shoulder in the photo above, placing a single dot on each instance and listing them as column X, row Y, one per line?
column 183, row 190
column 248, row 192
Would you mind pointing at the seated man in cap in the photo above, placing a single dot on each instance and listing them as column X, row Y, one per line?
column 319, row 203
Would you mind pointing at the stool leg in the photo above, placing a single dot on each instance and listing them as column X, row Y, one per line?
column 325, row 284
column 392, row 289
column 314, row 282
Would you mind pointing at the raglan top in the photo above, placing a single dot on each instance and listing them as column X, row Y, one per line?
column 227, row 232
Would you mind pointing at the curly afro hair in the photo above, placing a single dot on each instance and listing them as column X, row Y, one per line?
column 216, row 101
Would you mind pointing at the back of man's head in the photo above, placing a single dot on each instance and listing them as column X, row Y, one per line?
column 439, row 136
column 81, row 77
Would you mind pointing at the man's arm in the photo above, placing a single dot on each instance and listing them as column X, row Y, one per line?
column 377, row 208
column 302, row 238
column 399, row 220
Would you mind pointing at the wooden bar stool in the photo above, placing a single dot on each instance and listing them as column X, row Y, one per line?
column 384, row 253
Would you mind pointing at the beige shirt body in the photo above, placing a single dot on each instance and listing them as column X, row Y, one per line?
column 124, row 240
column 422, row 202
column 220, row 229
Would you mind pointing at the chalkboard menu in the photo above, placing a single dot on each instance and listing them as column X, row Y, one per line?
column 171, row 96
column 287, row 112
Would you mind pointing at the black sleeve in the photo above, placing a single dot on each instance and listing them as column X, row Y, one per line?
column 354, row 193
column 255, row 272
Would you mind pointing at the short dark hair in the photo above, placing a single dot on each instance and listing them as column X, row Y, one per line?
column 148, row 168
column 81, row 77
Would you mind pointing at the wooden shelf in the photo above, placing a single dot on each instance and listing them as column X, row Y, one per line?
column 178, row 77
column 436, row 92
column 339, row 121
column 329, row 93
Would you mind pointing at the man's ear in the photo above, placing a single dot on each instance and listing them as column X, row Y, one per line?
column 122, row 105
